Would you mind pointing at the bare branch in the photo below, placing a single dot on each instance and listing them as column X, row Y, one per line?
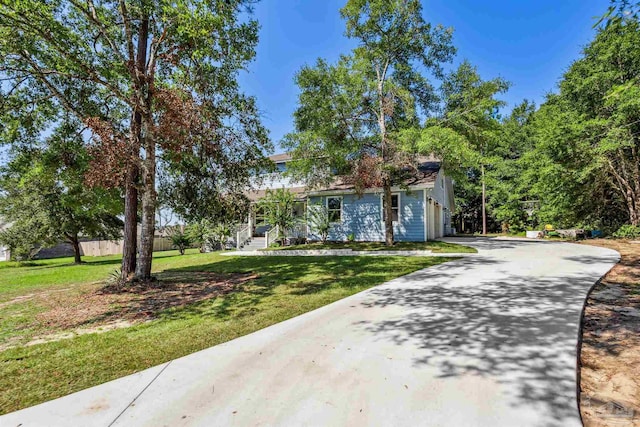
column 93, row 16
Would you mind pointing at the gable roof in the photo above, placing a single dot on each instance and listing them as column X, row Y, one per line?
column 254, row 195
column 424, row 176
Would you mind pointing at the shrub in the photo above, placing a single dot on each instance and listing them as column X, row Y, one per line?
column 23, row 243
column 351, row 237
column 277, row 206
column 218, row 236
column 319, row 221
column 208, row 235
column 627, row 231
column 179, row 239
column 198, row 232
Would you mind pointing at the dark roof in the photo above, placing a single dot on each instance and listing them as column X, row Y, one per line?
column 283, row 157
column 255, row 195
column 426, row 174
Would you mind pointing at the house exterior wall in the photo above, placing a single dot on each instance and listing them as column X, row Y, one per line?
column 425, row 213
column 362, row 217
column 441, row 210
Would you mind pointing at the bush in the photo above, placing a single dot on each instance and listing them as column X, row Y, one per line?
column 351, row 237
column 208, row 235
column 218, row 236
column 23, row 243
column 179, row 239
column 319, row 221
column 627, row 231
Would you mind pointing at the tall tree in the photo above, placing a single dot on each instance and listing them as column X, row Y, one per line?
column 351, row 113
column 132, row 70
column 506, row 188
column 589, row 133
column 44, row 197
column 465, row 135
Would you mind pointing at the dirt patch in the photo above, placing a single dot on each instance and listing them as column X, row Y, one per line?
column 80, row 331
column 28, row 297
column 610, row 356
column 109, row 307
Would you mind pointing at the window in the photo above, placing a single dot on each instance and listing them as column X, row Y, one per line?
column 334, row 209
column 395, row 207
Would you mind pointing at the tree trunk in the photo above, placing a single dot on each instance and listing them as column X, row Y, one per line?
column 143, row 270
column 148, row 167
column 75, row 242
column 388, row 212
column 130, row 242
column 634, row 211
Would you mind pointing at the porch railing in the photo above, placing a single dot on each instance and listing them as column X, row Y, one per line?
column 271, row 236
column 243, row 235
column 298, row 230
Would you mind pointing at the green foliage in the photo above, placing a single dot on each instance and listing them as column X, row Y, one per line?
column 150, row 80
column 351, row 237
column 586, row 162
column 277, row 206
column 179, row 239
column 469, row 127
column 466, row 136
column 218, row 236
column 618, row 11
column 198, row 231
column 505, row 189
column 319, row 221
column 350, row 113
column 209, row 235
column 577, row 157
column 627, row 231
column 44, row 196
column 24, row 240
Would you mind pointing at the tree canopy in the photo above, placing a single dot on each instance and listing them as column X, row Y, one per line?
column 149, row 78
column 350, row 113
column 44, row 197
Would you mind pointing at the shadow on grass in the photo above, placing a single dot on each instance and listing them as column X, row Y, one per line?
column 285, row 277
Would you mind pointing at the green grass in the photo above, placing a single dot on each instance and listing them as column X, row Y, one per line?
column 285, row 287
column 17, row 279
column 434, row 246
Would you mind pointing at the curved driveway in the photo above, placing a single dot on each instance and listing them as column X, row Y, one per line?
column 488, row 340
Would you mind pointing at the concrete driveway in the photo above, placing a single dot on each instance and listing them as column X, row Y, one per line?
column 488, row 340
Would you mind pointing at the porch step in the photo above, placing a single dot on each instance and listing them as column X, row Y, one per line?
column 254, row 244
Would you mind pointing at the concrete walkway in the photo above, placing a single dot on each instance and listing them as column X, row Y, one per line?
column 488, row 340
column 344, row 252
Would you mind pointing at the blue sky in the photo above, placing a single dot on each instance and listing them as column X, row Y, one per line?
column 529, row 43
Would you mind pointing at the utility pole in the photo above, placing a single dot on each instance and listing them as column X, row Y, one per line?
column 484, row 204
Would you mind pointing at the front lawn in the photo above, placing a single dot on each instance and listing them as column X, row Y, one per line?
column 200, row 300
column 435, row 246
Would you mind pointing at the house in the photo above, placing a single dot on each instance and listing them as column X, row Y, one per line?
column 422, row 206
